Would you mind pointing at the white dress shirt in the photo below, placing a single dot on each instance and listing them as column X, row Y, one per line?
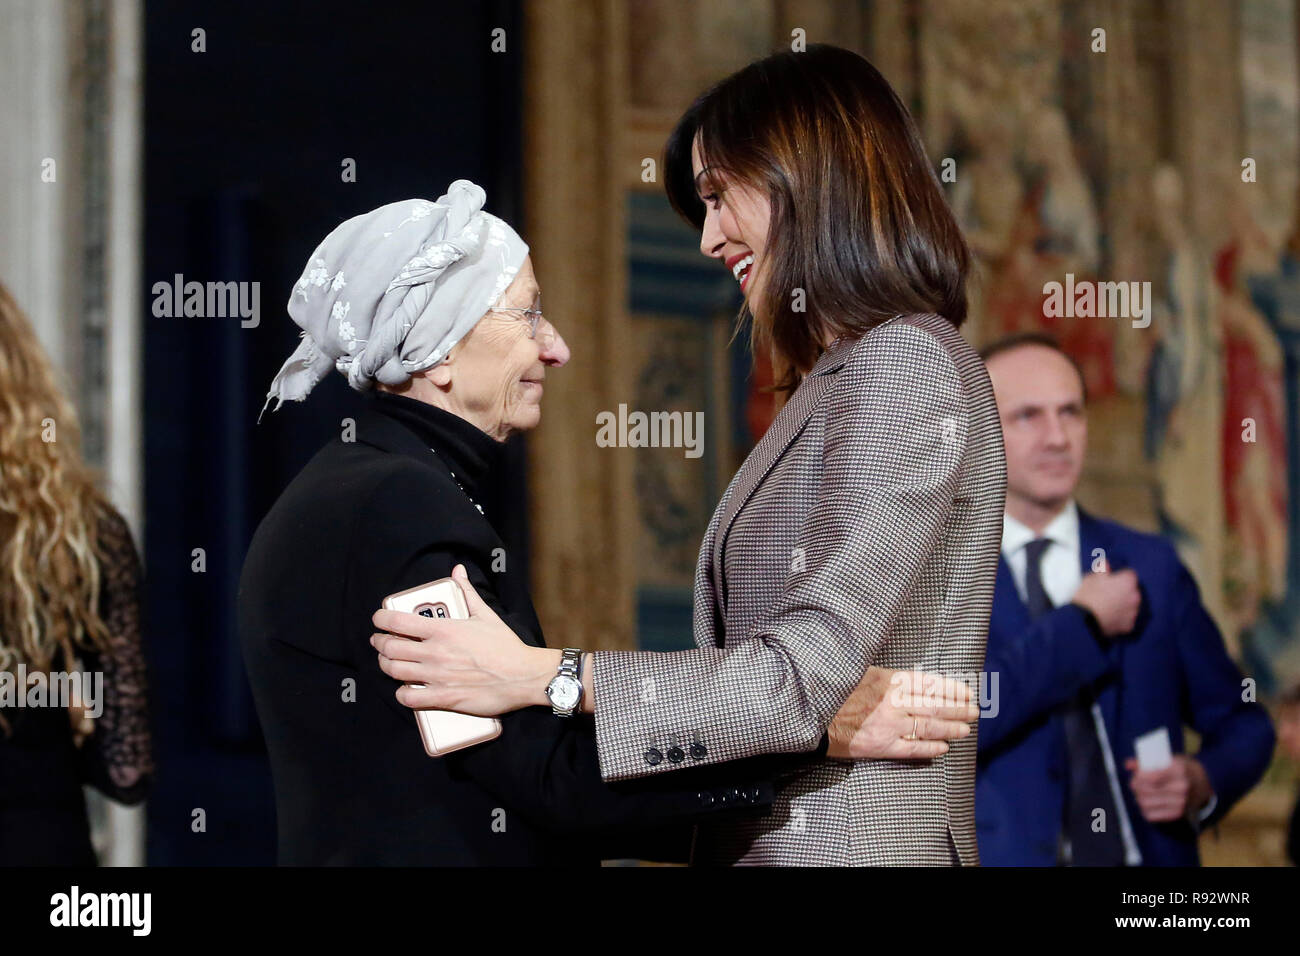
column 1061, row 571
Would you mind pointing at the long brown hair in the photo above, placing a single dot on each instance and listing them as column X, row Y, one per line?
column 859, row 221
column 50, row 511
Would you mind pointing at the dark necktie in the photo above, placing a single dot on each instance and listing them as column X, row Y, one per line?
column 1089, row 788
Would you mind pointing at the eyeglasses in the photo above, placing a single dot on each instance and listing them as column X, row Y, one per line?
column 533, row 315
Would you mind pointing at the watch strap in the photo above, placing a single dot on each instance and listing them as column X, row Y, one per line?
column 571, row 662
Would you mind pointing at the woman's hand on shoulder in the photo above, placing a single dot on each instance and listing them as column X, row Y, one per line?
column 475, row 666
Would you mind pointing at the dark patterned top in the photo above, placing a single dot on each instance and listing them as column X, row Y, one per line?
column 42, row 768
column 118, row 757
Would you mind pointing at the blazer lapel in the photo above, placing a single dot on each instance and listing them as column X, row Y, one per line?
column 708, row 627
column 788, row 423
column 1008, row 608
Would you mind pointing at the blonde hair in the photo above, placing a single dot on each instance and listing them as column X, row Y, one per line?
column 50, row 511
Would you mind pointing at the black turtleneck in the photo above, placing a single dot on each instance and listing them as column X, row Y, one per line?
column 473, row 456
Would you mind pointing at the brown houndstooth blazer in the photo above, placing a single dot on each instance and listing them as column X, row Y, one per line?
column 863, row 529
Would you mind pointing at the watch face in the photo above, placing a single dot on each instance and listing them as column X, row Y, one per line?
column 563, row 692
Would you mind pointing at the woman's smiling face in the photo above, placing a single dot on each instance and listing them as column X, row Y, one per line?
column 493, row 376
column 736, row 218
column 495, row 373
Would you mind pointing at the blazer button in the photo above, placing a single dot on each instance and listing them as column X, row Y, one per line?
column 675, row 754
column 698, row 751
column 653, row 756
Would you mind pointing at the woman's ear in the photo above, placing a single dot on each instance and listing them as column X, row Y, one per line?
column 440, row 374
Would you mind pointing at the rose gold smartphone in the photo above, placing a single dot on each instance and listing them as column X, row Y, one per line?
column 443, row 731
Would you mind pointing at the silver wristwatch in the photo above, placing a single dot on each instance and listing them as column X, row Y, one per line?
column 565, row 688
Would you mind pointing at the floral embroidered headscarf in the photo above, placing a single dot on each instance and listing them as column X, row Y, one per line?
column 388, row 293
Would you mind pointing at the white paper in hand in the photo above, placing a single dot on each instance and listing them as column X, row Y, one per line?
column 1153, row 750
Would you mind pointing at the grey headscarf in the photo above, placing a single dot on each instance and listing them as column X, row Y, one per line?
column 388, row 293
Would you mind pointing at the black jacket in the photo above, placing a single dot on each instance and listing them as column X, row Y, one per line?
column 374, row 513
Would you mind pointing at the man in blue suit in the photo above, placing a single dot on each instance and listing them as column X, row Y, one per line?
column 1098, row 637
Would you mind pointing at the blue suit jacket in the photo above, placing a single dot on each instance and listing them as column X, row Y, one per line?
column 1170, row 671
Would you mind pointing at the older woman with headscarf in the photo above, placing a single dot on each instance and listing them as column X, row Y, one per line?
column 433, row 310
